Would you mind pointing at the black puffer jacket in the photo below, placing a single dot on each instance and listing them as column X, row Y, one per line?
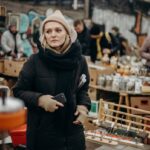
column 50, row 73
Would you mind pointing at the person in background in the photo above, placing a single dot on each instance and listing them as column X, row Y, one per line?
column 108, row 44
column 36, row 33
column 145, row 51
column 35, row 37
column 123, row 46
column 83, row 35
column 11, row 41
column 58, row 68
column 94, row 35
column 101, row 43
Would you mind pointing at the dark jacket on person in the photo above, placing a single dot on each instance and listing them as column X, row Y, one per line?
column 95, row 30
column 145, row 51
column 51, row 73
column 84, row 39
column 113, row 45
column 119, row 40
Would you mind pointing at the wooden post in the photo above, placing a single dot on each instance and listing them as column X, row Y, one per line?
column 86, row 9
column 75, row 4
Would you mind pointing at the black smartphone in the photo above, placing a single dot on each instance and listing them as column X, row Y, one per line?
column 60, row 98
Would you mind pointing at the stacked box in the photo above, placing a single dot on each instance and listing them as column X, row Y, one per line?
column 142, row 102
column 13, row 68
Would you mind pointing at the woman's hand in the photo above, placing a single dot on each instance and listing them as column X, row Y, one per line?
column 49, row 104
column 81, row 112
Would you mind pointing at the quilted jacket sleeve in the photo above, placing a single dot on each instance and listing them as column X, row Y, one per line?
column 82, row 95
column 24, row 88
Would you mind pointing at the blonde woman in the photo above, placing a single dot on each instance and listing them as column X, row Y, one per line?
column 57, row 68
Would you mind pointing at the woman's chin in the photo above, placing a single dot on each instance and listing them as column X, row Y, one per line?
column 55, row 47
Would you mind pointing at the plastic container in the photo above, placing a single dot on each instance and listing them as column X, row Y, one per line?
column 18, row 135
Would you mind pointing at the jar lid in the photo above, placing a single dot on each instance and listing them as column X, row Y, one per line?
column 11, row 105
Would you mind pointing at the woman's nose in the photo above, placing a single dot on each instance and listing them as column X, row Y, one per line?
column 53, row 33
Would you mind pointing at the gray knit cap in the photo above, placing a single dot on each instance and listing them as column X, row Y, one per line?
column 58, row 17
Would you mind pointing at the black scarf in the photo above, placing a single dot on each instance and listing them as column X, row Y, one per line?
column 67, row 66
column 66, row 61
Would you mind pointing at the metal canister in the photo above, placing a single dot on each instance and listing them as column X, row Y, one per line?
column 109, row 81
column 101, row 80
column 130, row 85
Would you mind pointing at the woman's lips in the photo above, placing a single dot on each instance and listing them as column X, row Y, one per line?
column 54, row 40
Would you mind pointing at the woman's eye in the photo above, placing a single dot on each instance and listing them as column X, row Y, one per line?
column 48, row 31
column 58, row 30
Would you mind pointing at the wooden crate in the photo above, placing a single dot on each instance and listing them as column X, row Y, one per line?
column 147, row 141
column 13, row 68
column 147, row 122
column 142, row 102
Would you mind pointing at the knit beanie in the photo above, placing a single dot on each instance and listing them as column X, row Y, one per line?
column 58, row 17
column 12, row 23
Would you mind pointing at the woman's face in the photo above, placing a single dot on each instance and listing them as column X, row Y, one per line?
column 55, row 34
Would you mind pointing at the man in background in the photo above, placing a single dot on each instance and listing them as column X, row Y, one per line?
column 83, row 35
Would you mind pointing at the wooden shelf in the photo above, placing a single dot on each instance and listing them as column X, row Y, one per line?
column 121, row 92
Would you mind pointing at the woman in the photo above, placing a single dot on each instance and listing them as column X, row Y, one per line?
column 11, row 41
column 57, row 68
